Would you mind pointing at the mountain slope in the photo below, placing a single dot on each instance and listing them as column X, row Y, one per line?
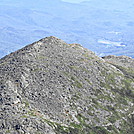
column 51, row 87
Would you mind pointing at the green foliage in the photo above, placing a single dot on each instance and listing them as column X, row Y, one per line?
column 76, row 96
column 100, row 130
column 76, row 82
column 112, row 119
column 26, row 103
column 8, row 132
column 88, row 81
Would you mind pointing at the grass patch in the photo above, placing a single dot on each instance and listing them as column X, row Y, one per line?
column 76, row 83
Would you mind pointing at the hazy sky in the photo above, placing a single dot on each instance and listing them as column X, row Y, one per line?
column 75, row 1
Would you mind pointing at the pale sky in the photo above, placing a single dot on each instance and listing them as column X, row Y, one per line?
column 75, row 1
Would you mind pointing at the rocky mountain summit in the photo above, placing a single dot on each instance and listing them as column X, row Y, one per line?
column 51, row 87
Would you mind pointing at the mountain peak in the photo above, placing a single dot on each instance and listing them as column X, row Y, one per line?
column 51, row 39
column 47, row 40
column 52, row 87
column 49, row 46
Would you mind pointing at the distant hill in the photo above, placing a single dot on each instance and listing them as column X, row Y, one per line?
column 51, row 87
column 23, row 22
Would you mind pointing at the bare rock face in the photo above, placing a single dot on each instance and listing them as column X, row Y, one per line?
column 51, row 87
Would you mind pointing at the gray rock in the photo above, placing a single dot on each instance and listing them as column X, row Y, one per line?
column 51, row 87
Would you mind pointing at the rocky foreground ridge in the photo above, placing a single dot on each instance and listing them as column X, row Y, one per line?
column 51, row 87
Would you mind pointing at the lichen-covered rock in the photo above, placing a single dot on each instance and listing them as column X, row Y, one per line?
column 51, row 87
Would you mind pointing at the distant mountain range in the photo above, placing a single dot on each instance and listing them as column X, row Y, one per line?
column 23, row 22
column 51, row 87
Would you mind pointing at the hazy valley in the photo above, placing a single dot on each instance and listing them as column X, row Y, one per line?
column 86, row 23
